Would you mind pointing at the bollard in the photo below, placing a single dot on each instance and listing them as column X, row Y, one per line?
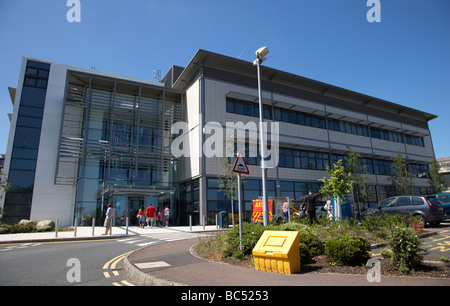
column 126, row 222
column 217, row 221
column 75, row 228
column 190, row 223
column 56, row 228
column 93, row 226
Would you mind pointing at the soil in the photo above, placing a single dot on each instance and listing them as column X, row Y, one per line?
column 320, row 265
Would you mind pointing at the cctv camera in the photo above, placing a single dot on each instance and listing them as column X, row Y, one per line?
column 262, row 52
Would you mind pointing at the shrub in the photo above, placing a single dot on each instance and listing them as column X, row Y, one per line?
column 21, row 228
column 251, row 232
column 310, row 245
column 371, row 223
column 347, row 250
column 5, row 229
column 405, row 246
column 386, row 254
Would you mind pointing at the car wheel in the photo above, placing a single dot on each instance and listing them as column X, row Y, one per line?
column 421, row 220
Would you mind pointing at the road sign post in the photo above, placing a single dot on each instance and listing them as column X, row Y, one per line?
column 240, row 167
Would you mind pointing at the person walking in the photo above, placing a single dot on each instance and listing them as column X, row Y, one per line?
column 329, row 207
column 108, row 220
column 150, row 215
column 285, row 208
column 309, row 204
column 141, row 216
column 167, row 215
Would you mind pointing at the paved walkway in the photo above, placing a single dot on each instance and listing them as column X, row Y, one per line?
column 87, row 233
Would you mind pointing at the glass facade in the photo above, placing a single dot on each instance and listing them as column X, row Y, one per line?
column 26, row 142
column 247, row 108
column 251, row 190
column 118, row 136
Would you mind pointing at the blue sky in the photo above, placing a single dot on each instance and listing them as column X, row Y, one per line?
column 404, row 59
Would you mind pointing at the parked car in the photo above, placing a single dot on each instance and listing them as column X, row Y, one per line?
column 445, row 199
column 428, row 208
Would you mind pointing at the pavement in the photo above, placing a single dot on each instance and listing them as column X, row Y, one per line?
column 96, row 233
column 173, row 264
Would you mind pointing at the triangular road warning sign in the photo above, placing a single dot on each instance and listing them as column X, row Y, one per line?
column 240, row 166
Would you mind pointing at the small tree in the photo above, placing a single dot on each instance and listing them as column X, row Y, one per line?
column 228, row 183
column 361, row 190
column 401, row 178
column 436, row 179
column 228, row 180
column 339, row 185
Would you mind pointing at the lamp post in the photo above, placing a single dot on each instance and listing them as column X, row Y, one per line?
column 260, row 58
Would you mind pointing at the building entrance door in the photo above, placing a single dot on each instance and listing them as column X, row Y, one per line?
column 134, row 203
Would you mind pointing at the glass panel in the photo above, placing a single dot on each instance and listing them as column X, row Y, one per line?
column 24, row 153
column 33, row 97
column 23, row 164
column 27, row 138
column 21, row 180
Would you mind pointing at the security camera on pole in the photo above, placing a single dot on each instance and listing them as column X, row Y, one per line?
column 261, row 57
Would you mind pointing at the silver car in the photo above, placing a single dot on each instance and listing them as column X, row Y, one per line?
column 428, row 208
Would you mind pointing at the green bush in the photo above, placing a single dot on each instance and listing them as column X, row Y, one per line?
column 5, row 229
column 347, row 250
column 405, row 246
column 309, row 243
column 251, row 232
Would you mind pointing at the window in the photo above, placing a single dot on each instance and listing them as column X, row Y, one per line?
column 27, row 138
column 420, row 171
column 296, row 190
column 417, row 201
column 291, row 158
column 388, row 203
column 24, row 153
column 31, row 111
column 21, row 180
column 383, row 167
column 29, row 121
column 34, row 97
column 23, row 164
column 444, row 198
column 404, row 201
column 247, row 108
column 36, row 77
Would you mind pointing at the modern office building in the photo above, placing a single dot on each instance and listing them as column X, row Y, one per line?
column 81, row 139
column 445, row 170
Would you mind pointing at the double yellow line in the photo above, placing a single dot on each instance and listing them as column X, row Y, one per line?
column 113, row 263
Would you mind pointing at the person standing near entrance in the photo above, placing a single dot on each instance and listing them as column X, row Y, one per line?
column 285, row 208
column 167, row 215
column 141, row 216
column 310, row 205
column 108, row 220
column 150, row 215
